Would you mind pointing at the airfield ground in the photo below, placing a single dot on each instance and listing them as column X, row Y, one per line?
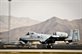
column 56, row 46
column 40, row 53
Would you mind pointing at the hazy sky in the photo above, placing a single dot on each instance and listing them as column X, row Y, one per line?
column 43, row 9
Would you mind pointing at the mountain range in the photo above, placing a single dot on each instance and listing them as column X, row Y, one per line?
column 15, row 22
column 49, row 26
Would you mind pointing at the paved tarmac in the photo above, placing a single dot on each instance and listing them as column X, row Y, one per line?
column 38, row 50
column 56, row 46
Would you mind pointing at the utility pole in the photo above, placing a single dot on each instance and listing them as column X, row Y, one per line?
column 9, row 20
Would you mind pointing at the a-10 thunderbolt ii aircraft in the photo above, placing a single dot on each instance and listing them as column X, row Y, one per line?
column 49, row 39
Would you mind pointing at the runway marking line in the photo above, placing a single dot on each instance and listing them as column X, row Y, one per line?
column 37, row 50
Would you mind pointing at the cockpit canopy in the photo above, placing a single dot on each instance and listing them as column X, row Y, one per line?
column 29, row 33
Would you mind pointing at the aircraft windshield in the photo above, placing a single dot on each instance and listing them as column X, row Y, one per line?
column 27, row 33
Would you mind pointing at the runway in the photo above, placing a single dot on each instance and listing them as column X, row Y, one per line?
column 56, row 46
column 37, row 50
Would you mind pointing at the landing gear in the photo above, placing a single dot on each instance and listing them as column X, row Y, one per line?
column 46, row 46
column 50, row 45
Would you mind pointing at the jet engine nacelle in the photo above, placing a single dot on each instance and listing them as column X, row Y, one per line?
column 61, row 34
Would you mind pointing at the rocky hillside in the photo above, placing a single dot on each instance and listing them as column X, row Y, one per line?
column 15, row 22
column 49, row 26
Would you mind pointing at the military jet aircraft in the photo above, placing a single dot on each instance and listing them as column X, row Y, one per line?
column 49, row 39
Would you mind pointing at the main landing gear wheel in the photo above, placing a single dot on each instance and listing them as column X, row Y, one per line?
column 49, row 46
